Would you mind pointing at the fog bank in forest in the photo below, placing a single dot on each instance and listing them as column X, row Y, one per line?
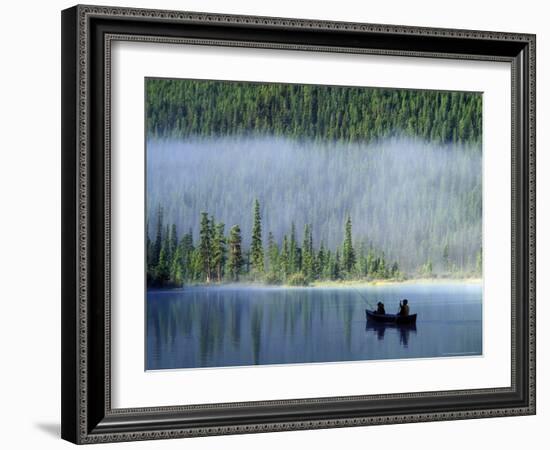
column 406, row 197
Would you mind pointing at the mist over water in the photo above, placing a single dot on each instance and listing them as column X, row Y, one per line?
column 407, row 197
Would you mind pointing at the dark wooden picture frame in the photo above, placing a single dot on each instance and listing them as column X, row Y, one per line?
column 87, row 33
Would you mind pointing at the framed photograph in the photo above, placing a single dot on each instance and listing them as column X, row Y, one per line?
column 279, row 224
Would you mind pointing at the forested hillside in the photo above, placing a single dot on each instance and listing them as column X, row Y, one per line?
column 182, row 108
column 302, row 163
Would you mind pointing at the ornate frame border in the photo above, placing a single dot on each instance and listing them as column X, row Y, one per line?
column 87, row 421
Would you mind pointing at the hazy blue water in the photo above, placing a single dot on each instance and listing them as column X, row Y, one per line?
column 236, row 325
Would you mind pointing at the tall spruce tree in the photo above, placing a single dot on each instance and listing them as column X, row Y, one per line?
column 235, row 261
column 218, row 250
column 307, row 253
column 321, row 261
column 173, row 239
column 256, row 248
column 205, row 247
column 348, row 253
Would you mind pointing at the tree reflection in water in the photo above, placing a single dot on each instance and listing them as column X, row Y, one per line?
column 380, row 330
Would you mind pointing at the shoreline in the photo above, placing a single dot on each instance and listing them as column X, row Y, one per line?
column 340, row 284
column 390, row 282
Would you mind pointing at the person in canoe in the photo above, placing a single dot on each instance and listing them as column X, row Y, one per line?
column 403, row 308
column 380, row 308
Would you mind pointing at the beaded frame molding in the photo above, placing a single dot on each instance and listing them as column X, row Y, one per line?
column 87, row 35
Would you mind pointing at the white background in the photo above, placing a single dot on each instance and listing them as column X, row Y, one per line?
column 132, row 387
column 30, row 247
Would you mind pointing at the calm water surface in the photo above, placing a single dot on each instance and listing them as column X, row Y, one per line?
column 236, row 325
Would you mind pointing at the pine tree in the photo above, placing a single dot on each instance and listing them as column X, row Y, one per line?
column 348, row 253
column 235, row 261
column 205, row 247
column 256, row 248
column 320, row 261
column 173, row 239
column 307, row 253
column 218, row 250
column 166, row 242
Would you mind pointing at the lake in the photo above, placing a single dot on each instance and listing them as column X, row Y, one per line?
column 237, row 325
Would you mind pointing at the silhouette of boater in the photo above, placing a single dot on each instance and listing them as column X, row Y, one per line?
column 380, row 309
column 403, row 308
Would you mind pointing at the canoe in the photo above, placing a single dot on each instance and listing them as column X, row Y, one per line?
column 391, row 318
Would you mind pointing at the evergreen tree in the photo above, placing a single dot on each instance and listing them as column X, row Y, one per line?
column 307, row 253
column 205, row 247
column 235, row 261
column 256, row 249
column 173, row 240
column 218, row 251
column 321, row 262
column 348, row 253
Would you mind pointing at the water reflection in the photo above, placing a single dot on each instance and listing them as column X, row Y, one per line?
column 379, row 329
column 230, row 326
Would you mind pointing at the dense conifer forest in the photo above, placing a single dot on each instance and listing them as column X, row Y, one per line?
column 292, row 184
column 182, row 108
